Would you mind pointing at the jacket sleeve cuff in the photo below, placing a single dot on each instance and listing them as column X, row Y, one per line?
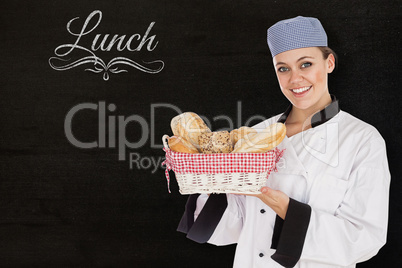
column 289, row 234
column 202, row 229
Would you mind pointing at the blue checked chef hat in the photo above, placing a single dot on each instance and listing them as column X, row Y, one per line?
column 295, row 33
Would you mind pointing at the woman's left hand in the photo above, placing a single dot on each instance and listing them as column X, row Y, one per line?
column 277, row 200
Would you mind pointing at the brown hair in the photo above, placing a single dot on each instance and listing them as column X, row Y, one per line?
column 326, row 51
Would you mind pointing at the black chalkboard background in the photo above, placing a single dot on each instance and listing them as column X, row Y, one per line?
column 64, row 206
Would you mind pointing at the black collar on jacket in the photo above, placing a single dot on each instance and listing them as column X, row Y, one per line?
column 320, row 117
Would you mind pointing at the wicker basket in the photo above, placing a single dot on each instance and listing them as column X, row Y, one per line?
column 243, row 173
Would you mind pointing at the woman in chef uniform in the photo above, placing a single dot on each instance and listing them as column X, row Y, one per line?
column 327, row 205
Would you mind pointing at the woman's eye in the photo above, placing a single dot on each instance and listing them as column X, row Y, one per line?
column 282, row 69
column 306, row 64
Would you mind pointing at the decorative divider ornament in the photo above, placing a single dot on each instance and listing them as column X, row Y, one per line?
column 98, row 64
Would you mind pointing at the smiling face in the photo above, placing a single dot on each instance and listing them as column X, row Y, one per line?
column 303, row 77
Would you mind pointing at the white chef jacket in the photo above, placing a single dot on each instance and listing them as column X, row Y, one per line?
column 337, row 177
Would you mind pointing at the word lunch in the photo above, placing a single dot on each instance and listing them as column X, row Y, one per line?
column 102, row 42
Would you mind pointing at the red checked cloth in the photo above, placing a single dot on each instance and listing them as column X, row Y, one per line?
column 185, row 163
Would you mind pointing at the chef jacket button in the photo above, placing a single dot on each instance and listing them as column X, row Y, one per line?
column 261, row 255
column 262, row 210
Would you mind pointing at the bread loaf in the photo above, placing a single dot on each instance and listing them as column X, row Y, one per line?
column 263, row 141
column 239, row 133
column 189, row 126
column 180, row 144
column 215, row 142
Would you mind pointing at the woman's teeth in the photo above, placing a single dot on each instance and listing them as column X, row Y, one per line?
column 301, row 89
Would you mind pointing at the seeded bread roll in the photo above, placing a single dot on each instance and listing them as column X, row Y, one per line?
column 215, row 142
column 190, row 126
